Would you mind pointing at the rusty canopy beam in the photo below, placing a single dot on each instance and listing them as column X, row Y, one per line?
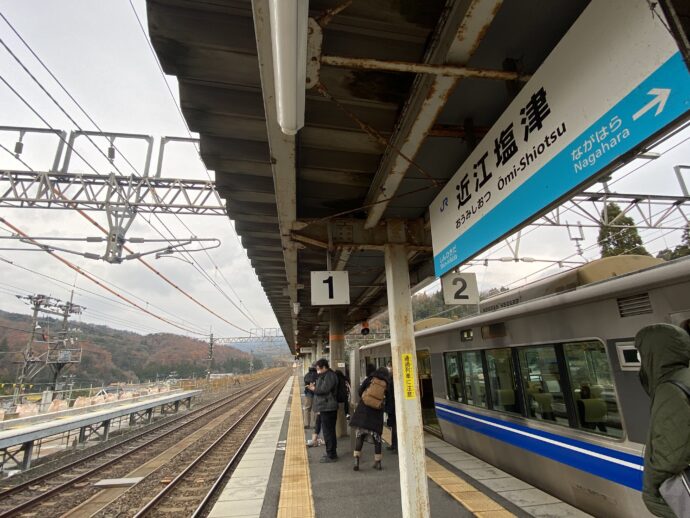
column 456, row 39
column 422, row 68
column 351, row 234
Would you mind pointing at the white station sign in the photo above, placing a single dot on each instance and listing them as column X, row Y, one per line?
column 330, row 288
column 460, row 289
column 613, row 81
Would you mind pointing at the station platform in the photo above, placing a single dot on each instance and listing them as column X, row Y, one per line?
column 94, row 420
column 279, row 476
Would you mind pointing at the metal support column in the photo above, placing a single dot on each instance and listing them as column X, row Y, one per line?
column 336, row 339
column 106, row 430
column 28, row 449
column 413, row 480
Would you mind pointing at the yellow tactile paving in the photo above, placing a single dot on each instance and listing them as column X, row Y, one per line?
column 473, row 500
column 296, row 499
column 467, row 495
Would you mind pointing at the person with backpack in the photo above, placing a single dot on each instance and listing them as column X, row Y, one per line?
column 368, row 416
column 309, row 380
column 343, row 392
column 326, row 405
column 665, row 375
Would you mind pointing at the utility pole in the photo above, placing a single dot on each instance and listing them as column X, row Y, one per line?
column 61, row 355
column 31, row 363
column 210, row 357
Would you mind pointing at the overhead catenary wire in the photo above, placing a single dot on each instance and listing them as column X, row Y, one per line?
column 68, row 286
column 196, row 147
column 144, row 262
column 594, row 245
column 205, row 275
column 86, row 274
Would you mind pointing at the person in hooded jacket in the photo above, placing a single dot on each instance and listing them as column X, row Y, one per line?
column 665, row 355
column 368, row 421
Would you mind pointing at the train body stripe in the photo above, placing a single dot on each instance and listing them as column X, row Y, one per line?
column 619, row 467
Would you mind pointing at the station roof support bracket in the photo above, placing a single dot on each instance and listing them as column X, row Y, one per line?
column 351, row 234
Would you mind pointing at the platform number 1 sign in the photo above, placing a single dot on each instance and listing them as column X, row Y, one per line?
column 330, row 288
column 460, row 289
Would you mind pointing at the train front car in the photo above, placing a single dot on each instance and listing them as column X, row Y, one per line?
column 543, row 384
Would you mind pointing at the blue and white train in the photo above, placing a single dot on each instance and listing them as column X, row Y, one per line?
column 543, row 383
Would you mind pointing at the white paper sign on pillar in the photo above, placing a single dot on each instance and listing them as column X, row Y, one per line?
column 330, row 288
column 460, row 289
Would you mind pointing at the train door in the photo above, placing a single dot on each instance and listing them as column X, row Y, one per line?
column 426, row 391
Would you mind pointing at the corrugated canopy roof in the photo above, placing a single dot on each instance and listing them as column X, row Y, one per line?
column 220, row 52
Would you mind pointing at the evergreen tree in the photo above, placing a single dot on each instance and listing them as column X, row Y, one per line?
column 679, row 251
column 623, row 239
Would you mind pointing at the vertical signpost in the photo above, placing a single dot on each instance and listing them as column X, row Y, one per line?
column 614, row 81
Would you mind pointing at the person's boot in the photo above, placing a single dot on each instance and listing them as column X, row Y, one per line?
column 356, row 466
column 377, row 462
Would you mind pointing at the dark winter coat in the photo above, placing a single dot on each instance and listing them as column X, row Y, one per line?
column 324, row 392
column 366, row 417
column 389, row 405
column 310, row 377
column 665, row 355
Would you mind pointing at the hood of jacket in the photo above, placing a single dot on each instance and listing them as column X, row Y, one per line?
column 664, row 350
column 382, row 374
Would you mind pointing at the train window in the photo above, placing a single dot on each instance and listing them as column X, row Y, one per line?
column 541, row 380
column 475, row 390
column 453, row 377
column 593, row 389
column 502, row 383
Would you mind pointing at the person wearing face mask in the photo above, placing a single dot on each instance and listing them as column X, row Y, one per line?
column 665, row 375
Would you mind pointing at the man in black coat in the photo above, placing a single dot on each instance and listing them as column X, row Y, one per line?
column 326, row 404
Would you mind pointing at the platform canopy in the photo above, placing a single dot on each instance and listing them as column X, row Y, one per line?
column 380, row 138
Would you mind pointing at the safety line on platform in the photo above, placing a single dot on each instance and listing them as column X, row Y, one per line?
column 296, row 498
column 467, row 495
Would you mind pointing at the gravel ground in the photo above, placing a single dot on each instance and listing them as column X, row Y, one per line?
column 82, row 490
column 185, row 497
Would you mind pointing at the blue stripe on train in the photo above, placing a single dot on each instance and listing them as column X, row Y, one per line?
column 587, row 460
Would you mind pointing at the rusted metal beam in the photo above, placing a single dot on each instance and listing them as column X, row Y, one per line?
column 455, row 131
column 351, row 234
column 456, row 40
column 422, row 68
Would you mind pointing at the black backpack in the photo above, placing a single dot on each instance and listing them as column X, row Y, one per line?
column 341, row 395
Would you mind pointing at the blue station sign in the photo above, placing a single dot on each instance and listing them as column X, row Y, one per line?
column 613, row 81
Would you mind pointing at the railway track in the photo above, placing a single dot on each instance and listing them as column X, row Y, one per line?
column 54, row 492
column 193, row 478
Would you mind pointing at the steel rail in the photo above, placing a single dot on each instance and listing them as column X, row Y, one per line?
column 174, row 483
column 61, row 487
column 231, row 463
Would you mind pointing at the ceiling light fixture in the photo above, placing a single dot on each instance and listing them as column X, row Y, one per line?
column 289, row 19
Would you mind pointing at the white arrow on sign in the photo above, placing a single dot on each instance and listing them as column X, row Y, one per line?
column 661, row 96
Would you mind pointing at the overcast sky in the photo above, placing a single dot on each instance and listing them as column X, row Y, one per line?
column 101, row 56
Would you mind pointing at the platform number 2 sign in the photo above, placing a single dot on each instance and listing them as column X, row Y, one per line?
column 330, row 288
column 460, row 289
